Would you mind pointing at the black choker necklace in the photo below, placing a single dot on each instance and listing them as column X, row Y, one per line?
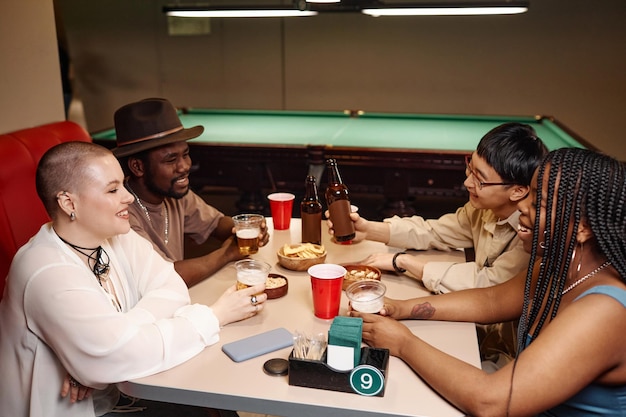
column 98, row 257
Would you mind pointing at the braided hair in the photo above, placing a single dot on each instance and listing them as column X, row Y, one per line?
column 581, row 184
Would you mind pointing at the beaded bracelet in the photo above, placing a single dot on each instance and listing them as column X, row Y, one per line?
column 395, row 266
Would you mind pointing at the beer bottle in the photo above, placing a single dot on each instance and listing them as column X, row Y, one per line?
column 311, row 213
column 338, row 204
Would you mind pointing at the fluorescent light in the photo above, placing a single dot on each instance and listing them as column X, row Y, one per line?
column 369, row 7
column 235, row 12
column 446, row 8
column 444, row 11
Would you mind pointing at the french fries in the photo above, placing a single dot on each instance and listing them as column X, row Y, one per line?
column 303, row 251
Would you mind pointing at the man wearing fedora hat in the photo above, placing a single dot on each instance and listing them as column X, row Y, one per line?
column 153, row 151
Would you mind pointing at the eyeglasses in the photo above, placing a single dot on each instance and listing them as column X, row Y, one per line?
column 477, row 182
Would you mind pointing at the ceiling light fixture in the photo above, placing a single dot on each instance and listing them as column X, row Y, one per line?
column 370, row 7
column 447, row 9
column 249, row 11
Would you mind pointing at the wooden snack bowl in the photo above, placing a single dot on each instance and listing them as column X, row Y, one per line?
column 276, row 291
column 299, row 264
column 356, row 273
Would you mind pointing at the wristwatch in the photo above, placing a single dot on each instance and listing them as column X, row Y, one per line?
column 395, row 266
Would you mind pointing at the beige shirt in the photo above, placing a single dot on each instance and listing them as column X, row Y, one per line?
column 499, row 252
column 189, row 215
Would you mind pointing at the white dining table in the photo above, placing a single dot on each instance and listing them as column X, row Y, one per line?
column 212, row 379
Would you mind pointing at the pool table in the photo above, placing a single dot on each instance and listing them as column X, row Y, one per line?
column 401, row 156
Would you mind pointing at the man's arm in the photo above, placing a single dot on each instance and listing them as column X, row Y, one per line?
column 450, row 231
column 194, row 270
column 365, row 229
column 446, row 277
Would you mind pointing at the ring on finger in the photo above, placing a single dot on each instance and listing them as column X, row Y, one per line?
column 253, row 300
column 73, row 382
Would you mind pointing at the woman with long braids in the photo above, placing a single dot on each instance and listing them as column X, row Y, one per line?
column 89, row 297
column 571, row 304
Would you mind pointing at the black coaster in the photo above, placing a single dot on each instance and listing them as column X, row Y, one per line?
column 276, row 367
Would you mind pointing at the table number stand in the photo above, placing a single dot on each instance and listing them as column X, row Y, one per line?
column 368, row 378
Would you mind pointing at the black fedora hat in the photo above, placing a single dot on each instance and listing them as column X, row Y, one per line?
column 148, row 124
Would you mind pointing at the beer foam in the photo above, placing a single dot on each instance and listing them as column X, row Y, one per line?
column 251, row 277
column 367, row 302
column 248, row 233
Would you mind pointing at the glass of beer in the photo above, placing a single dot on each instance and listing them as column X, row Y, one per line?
column 251, row 272
column 247, row 229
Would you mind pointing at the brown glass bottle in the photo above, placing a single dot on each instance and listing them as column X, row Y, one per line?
column 311, row 213
column 338, row 203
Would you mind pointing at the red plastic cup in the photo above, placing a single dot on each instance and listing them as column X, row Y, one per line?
column 326, row 283
column 281, row 205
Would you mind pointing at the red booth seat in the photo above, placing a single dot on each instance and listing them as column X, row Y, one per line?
column 21, row 211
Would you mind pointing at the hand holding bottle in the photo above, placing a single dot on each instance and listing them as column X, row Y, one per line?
column 338, row 202
column 360, row 226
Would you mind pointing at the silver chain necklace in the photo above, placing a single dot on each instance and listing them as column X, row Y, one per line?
column 145, row 211
column 586, row 277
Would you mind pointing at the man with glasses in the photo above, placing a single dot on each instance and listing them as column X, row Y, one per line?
column 498, row 177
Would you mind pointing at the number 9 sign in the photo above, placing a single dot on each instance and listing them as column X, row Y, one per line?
column 366, row 380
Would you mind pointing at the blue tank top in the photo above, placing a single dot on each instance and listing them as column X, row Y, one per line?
column 595, row 400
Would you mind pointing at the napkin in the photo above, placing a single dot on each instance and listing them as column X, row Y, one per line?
column 344, row 343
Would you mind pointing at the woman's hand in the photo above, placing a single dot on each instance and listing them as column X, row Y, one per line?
column 397, row 309
column 74, row 389
column 384, row 332
column 236, row 305
column 391, row 308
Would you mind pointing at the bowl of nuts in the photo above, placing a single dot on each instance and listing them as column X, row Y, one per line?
column 301, row 256
column 360, row 272
column 276, row 286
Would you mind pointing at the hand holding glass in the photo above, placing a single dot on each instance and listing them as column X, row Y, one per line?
column 367, row 296
column 251, row 272
column 247, row 229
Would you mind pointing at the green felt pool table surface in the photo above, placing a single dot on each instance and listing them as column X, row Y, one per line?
column 369, row 130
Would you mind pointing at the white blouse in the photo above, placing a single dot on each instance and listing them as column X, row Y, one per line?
column 56, row 318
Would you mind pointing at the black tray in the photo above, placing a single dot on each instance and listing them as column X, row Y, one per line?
column 317, row 374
